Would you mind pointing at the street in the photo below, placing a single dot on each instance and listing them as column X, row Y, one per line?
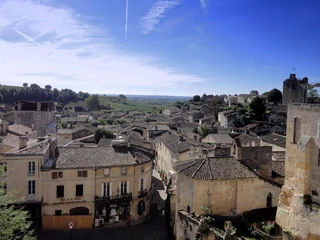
column 152, row 229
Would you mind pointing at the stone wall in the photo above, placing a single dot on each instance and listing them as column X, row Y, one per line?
column 293, row 92
column 258, row 158
column 302, row 173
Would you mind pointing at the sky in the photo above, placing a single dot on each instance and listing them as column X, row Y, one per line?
column 159, row 47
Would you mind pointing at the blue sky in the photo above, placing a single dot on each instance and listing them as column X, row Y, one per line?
column 167, row 47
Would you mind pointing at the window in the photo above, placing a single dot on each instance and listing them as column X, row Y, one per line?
column 79, row 190
column 32, row 187
column 57, row 212
column 106, row 189
column 32, row 168
column 269, row 200
column 106, row 172
column 56, row 175
column 141, row 185
column 294, row 134
column 124, row 171
column 123, row 187
column 60, row 191
column 82, row 173
column 3, row 165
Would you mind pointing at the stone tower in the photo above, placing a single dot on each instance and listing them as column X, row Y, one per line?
column 299, row 202
column 292, row 90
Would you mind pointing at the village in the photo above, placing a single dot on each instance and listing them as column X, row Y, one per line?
column 199, row 171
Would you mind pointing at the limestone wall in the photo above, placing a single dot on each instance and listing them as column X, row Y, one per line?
column 302, row 174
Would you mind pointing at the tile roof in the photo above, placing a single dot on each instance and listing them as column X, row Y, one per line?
column 135, row 138
column 33, row 148
column 159, row 127
column 61, row 141
column 82, row 157
column 174, row 143
column 279, row 154
column 213, row 169
column 275, row 139
column 19, row 129
column 246, row 139
column 218, row 138
column 72, row 130
column 278, row 167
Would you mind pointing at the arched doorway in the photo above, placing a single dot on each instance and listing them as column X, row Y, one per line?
column 79, row 211
column 269, row 200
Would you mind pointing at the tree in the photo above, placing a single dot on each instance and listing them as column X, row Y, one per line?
column 14, row 222
column 93, row 103
column 1, row 97
column 100, row 133
column 274, row 96
column 312, row 95
column 25, row 84
column 258, row 108
column 204, row 130
column 196, row 98
column 48, row 87
column 122, row 98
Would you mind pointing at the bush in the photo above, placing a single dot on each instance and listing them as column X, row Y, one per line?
column 100, row 133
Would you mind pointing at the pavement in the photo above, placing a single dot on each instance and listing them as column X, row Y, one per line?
column 152, row 229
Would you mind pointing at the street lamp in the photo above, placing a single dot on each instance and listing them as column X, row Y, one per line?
column 70, row 227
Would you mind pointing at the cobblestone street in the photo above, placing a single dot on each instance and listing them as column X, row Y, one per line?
column 152, row 229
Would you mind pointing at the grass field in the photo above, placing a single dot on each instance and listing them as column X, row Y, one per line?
column 144, row 106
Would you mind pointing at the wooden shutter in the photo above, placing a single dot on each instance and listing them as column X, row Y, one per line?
column 119, row 188
column 139, row 185
column 54, row 175
column 85, row 173
column 128, row 189
column 102, row 189
column 110, row 189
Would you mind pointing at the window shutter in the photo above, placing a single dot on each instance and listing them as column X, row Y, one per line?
column 144, row 184
column 85, row 173
column 119, row 188
column 102, row 187
column 128, row 189
column 54, row 175
column 139, row 185
column 110, row 189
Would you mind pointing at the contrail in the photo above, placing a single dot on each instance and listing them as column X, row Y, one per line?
column 127, row 13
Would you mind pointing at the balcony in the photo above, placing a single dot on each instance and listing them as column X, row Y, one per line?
column 143, row 193
column 123, row 198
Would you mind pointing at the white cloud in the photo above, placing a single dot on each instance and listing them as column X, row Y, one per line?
column 203, row 3
column 157, row 12
column 47, row 45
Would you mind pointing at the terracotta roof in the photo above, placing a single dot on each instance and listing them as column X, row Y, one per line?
column 33, row 148
column 11, row 140
column 83, row 157
column 246, row 139
column 278, row 167
column 61, row 141
column 213, row 169
column 275, row 139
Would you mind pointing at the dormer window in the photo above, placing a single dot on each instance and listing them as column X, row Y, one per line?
column 123, row 171
column 106, row 172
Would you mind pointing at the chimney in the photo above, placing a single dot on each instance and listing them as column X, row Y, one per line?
column 32, row 127
column 156, row 128
column 23, row 142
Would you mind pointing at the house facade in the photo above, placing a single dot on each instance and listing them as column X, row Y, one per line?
column 96, row 186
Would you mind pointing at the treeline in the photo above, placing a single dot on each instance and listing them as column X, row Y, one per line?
column 35, row 93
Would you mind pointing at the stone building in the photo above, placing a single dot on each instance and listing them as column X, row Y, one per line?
column 96, row 186
column 293, row 92
column 299, row 202
column 23, row 163
column 227, row 118
column 36, row 115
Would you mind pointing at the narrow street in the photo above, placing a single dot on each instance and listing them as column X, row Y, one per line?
column 152, row 229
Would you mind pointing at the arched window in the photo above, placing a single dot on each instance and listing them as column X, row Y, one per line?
column 269, row 200
column 79, row 211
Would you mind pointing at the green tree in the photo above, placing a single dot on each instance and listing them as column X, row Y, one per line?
column 93, row 103
column 122, row 98
column 102, row 121
column 204, row 130
column 48, row 87
column 100, row 133
column 274, row 96
column 14, row 222
column 312, row 95
column 1, row 97
column 25, row 84
column 258, row 108
column 196, row 98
